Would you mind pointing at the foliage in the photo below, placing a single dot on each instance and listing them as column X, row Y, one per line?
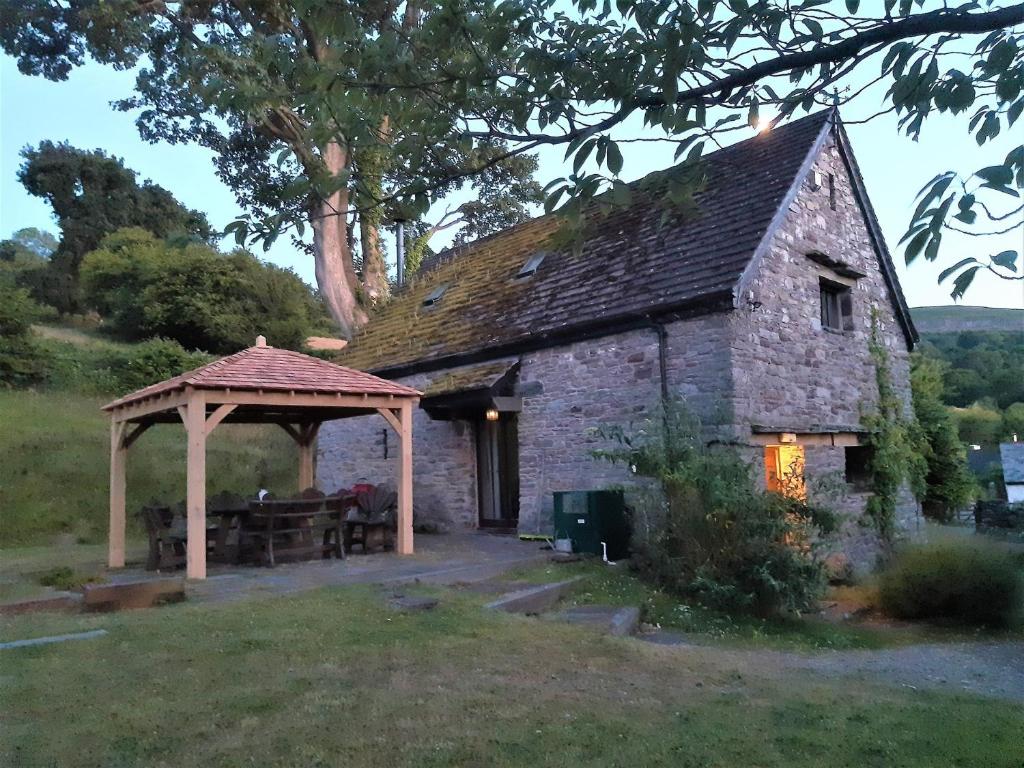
column 64, row 578
column 317, row 114
column 983, row 365
column 21, row 361
column 1013, row 421
column 974, row 583
column 56, row 452
column 949, row 485
column 708, row 532
column 195, row 295
column 151, row 362
column 898, row 445
column 93, row 195
column 978, row 424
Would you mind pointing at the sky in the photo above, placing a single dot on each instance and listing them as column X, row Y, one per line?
column 78, row 111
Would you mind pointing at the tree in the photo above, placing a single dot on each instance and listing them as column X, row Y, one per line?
column 28, row 244
column 978, row 425
column 948, row 482
column 316, row 111
column 93, row 195
column 499, row 80
column 1013, row 421
column 193, row 294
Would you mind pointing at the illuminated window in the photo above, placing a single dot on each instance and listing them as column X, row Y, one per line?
column 784, row 470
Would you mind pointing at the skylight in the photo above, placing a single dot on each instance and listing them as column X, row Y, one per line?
column 435, row 295
column 532, row 264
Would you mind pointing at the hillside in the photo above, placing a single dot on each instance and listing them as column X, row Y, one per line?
column 956, row 318
column 55, row 450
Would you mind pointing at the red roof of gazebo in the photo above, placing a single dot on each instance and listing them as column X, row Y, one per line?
column 263, row 368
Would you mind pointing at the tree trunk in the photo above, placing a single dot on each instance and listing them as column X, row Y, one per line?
column 375, row 278
column 335, row 275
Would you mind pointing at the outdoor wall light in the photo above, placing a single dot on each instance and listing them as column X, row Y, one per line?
column 491, row 414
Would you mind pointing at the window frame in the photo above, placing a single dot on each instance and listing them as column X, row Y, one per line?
column 835, row 306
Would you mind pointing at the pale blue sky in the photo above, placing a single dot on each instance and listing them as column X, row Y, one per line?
column 79, row 111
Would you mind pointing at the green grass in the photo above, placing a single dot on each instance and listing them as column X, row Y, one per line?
column 955, row 318
column 617, row 585
column 55, row 449
column 332, row 678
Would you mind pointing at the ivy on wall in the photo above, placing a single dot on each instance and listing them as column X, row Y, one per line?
column 896, row 441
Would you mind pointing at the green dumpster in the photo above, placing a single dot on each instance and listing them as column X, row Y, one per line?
column 588, row 518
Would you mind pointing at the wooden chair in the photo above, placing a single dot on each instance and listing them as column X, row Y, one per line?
column 167, row 537
column 374, row 518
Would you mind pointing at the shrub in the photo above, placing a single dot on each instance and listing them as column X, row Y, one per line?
column 21, row 361
column 706, row 531
column 972, row 583
column 199, row 297
column 150, row 362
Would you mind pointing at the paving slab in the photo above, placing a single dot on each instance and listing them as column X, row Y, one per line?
column 535, row 599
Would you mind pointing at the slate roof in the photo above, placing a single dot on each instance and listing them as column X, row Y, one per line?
column 272, row 370
column 631, row 262
column 1012, row 456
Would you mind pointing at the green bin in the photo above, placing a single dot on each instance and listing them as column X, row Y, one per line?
column 588, row 518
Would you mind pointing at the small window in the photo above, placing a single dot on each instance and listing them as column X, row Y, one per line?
column 784, row 470
column 531, row 265
column 435, row 295
column 832, row 191
column 836, row 306
column 858, row 467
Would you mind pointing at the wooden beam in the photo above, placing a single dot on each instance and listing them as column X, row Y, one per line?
column 391, row 418
column 291, row 431
column 307, row 455
column 299, row 400
column 183, row 413
column 136, row 433
column 404, row 545
column 149, row 406
column 217, row 417
column 195, row 477
column 118, row 486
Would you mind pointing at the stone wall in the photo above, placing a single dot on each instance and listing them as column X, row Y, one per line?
column 792, row 374
column 789, row 371
column 444, row 461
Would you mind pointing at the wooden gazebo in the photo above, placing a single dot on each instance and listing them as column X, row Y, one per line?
column 259, row 385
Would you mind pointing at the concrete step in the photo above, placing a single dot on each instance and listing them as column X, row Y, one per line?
column 535, row 599
column 619, row 621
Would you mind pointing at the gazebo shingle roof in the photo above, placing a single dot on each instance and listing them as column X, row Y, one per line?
column 273, row 370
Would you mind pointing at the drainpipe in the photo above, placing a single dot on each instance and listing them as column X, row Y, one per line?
column 662, row 334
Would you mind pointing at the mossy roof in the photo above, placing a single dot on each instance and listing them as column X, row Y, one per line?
column 631, row 260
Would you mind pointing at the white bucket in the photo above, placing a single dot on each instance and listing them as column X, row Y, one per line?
column 563, row 545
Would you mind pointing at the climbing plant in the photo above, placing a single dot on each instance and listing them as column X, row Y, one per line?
column 896, row 440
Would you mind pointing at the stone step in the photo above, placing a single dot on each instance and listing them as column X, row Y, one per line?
column 533, row 600
column 619, row 621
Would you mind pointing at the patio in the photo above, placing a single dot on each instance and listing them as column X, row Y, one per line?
column 441, row 559
column 259, row 385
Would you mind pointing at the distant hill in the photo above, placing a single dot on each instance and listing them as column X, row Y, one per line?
column 956, row 318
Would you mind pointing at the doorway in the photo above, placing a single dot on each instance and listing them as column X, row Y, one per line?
column 784, row 470
column 497, row 470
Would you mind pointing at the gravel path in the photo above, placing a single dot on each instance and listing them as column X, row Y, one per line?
column 989, row 669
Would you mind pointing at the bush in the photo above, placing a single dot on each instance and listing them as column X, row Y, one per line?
column 971, row 583
column 199, row 297
column 21, row 361
column 107, row 369
column 707, row 531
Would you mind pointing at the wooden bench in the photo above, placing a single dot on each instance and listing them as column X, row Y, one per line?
column 299, row 528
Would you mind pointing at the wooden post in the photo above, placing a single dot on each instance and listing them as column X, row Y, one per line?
column 307, row 454
column 118, row 485
column 405, row 545
column 195, row 478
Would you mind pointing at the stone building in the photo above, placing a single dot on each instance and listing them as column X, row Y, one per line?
column 753, row 302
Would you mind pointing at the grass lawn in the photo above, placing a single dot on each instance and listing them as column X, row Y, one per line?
column 333, row 678
column 55, row 449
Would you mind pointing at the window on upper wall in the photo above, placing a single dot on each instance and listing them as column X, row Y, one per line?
column 836, row 306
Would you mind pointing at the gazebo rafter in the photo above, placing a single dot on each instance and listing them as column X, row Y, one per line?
column 259, row 385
